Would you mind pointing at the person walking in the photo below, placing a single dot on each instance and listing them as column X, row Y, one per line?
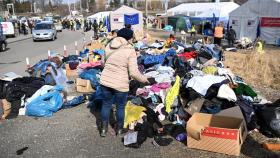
column 193, row 30
column 95, row 29
column 23, row 27
column 231, row 36
column 71, row 25
column 120, row 64
column 30, row 25
column 218, row 34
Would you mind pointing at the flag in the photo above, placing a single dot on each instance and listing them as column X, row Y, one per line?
column 131, row 19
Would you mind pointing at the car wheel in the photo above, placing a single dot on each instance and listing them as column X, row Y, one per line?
column 53, row 37
column 34, row 40
column 3, row 47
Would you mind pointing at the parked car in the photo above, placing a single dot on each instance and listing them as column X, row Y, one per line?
column 3, row 42
column 44, row 31
column 8, row 29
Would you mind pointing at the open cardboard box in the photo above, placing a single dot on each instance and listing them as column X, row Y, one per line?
column 83, row 86
column 69, row 72
column 216, row 133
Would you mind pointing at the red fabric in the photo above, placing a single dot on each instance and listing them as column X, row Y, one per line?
column 270, row 22
column 188, row 55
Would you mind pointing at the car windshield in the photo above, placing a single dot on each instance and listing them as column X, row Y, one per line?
column 42, row 27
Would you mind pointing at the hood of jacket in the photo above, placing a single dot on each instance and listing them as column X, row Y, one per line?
column 118, row 42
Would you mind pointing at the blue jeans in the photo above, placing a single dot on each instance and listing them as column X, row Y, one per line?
column 111, row 96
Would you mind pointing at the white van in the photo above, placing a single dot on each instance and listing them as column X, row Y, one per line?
column 8, row 28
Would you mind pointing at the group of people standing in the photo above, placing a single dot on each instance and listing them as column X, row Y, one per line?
column 73, row 24
column 219, row 35
column 23, row 26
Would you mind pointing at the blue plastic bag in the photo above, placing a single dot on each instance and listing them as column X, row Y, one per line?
column 45, row 105
column 74, row 102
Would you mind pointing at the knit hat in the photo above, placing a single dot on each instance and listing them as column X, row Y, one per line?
column 125, row 33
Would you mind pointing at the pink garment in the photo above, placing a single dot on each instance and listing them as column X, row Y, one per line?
column 143, row 92
column 90, row 64
column 157, row 87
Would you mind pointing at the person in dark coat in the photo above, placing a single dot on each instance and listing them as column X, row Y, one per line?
column 231, row 36
column 95, row 28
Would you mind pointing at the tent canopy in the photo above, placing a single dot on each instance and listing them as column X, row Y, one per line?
column 246, row 20
column 195, row 9
column 99, row 16
column 124, row 14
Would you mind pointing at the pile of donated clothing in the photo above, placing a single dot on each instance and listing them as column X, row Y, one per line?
column 190, row 78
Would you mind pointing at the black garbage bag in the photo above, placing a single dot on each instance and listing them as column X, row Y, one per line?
column 25, row 86
column 269, row 119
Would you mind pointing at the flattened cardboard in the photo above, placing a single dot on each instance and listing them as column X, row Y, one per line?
column 220, row 134
column 95, row 45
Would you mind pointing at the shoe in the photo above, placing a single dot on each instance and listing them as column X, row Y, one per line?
column 104, row 129
column 120, row 131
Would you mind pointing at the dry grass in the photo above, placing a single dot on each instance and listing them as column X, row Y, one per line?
column 256, row 69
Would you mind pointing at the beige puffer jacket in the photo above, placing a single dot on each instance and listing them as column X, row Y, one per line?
column 120, row 65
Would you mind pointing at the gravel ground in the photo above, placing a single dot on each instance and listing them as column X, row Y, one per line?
column 73, row 133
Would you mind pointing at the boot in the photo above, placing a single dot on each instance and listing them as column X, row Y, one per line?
column 104, row 129
column 120, row 130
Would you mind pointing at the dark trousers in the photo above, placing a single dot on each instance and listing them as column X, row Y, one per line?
column 230, row 42
column 218, row 41
column 111, row 96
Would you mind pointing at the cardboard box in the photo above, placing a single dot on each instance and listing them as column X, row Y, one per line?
column 69, row 72
column 83, row 86
column 95, row 45
column 221, row 134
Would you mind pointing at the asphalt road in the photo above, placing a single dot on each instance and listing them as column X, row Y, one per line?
column 72, row 133
column 14, row 58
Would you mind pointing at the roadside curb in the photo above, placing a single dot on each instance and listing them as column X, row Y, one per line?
column 19, row 40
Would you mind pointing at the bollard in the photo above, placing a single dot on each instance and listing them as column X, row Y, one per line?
column 49, row 54
column 84, row 40
column 65, row 54
column 76, row 47
column 91, row 39
column 27, row 62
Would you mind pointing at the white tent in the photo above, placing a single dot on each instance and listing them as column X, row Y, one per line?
column 118, row 18
column 257, row 16
column 195, row 9
column 220, row 11
column 99, row 16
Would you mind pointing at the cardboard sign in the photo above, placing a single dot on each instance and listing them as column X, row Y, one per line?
column 270, row 22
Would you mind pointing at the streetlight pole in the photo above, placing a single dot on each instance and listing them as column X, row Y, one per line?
column 69, row 7
column 146, row 12
column 81, row 8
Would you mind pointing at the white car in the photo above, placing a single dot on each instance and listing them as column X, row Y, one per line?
column 8, row 29
column 44, row 31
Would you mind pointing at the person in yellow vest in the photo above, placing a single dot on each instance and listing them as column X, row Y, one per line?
column 218, row 34
column 169, row 41
column 193, row 30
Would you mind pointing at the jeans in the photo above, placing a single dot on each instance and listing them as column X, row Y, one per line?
column 113, row 96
